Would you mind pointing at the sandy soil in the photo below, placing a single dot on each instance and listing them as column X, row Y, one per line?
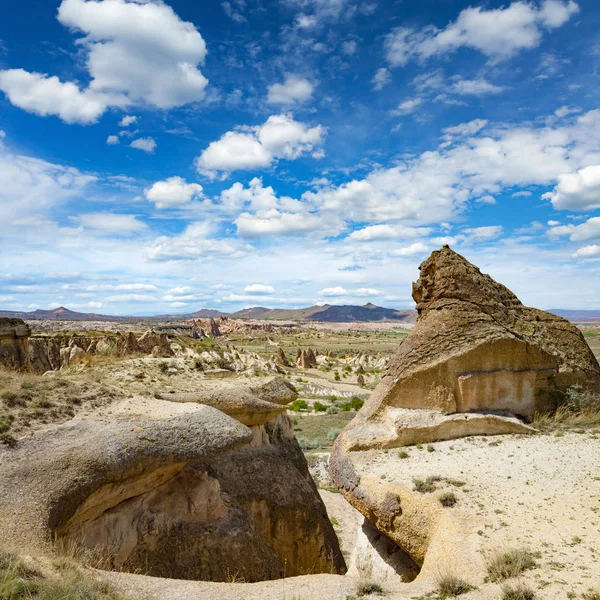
column 537, row 492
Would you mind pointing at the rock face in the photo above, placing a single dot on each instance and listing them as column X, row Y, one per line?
column 306, row 359
column 14, row 345
column 195, row 494
column 51, row 353
column 281, row 358
column 475, row 349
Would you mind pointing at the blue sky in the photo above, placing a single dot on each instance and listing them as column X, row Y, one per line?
column 161, row 157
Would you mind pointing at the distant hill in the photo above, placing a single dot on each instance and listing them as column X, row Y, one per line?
column 254, row 312
column 578, row 316
column 60, row 314
column 325, row 313
column 331, row 313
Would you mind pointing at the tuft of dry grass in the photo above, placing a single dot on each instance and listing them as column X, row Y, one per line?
column 517, row 592
column 426, row 486
column 576, row 408
column 591, row 595
column 505, row 565
column 366, row 588
column 448, row 499
column 450, row 586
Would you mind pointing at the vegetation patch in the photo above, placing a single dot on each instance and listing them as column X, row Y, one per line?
column 517, row 592
column 450, row 586
column 512, row 563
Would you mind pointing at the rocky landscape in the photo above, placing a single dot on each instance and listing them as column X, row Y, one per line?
column 231, row 458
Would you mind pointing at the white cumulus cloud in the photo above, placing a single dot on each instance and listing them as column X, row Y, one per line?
column 497, row 33
column 172, row 192
column 293, row 90
column 146, row 144
column 112, row 140
column 137, row 53
column 280, row 137
column 577, row 191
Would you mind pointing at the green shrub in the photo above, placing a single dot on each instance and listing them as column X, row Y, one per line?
column 336, row 376
column 320, row 407
column 333, row 410
column 298, row 405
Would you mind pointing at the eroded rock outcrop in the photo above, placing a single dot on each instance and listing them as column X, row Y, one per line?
column 173, row 489
column 475, row 362
column 14, row 345
column 475, row 354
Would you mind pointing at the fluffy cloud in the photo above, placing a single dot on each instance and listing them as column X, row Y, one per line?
column 412, row 250
column 259, row 289
column 172, row 192
column 381, row 78
column 438, row 184
column 136, row 53
column 590, row 230
column 258, row 147
column 42, row 95
column 112, row 140
column 334, row 291
column 577, row 191
column 127, row 120
column 146, row 144
column 588, row 252
column 111, row 223
column 464, row 129
column 292, row 91
column 387, row 232
column 498, row 33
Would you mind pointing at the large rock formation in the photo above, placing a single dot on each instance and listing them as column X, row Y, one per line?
column 476, row 360
column 475, row 354
column 14, row 345
column 173, row 489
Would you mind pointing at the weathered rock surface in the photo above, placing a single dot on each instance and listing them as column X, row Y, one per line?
column 14, row 345
column 475, row 349
column 173, row 489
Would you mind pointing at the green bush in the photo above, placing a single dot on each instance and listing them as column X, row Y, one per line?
column 320, row 407
column 336, row 376
column 298, row 405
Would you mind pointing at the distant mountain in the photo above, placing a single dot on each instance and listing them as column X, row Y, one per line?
column 331, row 313
column 254, row 312
column 577, row 316
column 325, row 313
column 60, row 314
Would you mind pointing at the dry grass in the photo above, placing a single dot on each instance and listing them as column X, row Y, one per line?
column 505, row 565
column 450, row 586
column 426, row 486
column 366, row 588
column 578, row 408
column 591, row 595
column 63, row 580
column 448, row 499
column 517, row 592
column 28, row 401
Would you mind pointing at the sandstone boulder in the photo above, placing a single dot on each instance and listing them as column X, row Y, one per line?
column 176, row 490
